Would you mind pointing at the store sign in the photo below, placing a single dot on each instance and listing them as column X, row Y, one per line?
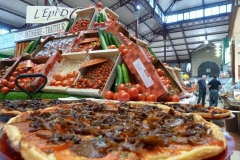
column 40, row 31
column 45, row 14
column 7, row 40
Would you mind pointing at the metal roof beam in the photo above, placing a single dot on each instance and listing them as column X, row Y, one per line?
column 185, row 40
column 173, row 48
column 27, row 2
column 170, row 7
column 16, row 14
column 7, row 26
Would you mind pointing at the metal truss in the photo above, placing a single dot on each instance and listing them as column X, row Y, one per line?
column 185, row 40
column 174, row 50
column 141, row 20
column 120, row 4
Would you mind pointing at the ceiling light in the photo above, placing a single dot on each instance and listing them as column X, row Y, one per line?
column 138, row 7
column 206, row 42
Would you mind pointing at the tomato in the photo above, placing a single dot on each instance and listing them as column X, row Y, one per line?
column 108, row 95
column 58, row 83
column 4, row 82
column 52, row 82
column 99, row 5
column 56, row 75
column 139, row 87
column 11, row 85
column 168, row 81
column 15, row 74
column 151, row 97
column 133, row 92
column 140, row 97
column 75, row 73
column 168, row 86
column 64, row 83
column 122, row 87
column 131, row 44
column 124, row 52
column 21, row 71
column 115, row 96
column 70, row 75
column 175, row 98
column 121, row 47
column 5, row 90
column 159, row 72
column 95, row 24
column 112, row 47
column 123, row 96
column 102, row 24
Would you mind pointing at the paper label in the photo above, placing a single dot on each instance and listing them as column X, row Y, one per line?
column 146, row 78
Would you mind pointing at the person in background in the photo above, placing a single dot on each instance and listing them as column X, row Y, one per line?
column 189, row 84
column 202, row 90
column 185, row 76
column 214, row 86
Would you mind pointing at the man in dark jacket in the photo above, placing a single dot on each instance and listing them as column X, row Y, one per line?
column 202, row 89
column 214, row 86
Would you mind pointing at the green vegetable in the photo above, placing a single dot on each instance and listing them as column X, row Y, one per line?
column 125, row 74
column 28, row 48
column 36, row 42
column 99, row 18
column 119, row 74
column 109, row 39
column 103, row 18
column 115, row 40
column 102, row 40
column 105, row 37
column 116, row 84
column 96, row 18
column 69, row 24
column 151, row 51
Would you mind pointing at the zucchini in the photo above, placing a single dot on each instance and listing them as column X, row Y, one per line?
column 72, row 21
column 36, row 42
column 109, row 39
column 105, row 37
column 102, row 40
column 96, row 18
column 116, row 83
column 119, row 74
column 125, row 73
column 115, row 40
column 99, row 18
column 28, row 48
column 104, row 18
column 69, row 25
column 151, row 51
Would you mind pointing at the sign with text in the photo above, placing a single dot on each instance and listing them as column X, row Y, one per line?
column 40, row 31
column 45, row 14
column 7, row 40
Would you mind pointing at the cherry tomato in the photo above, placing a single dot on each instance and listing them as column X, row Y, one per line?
column 175, row 98
column 123, row 96
column 115, row 96
column 21, row 70
column 5, row 90
column 11, row 85
column 122, row 87
column 140, row 97
column 151, row 97
column 121, row 47
column 133, row 92
column 4, row 82
column 112, row 47
column 108, row 95
column 124, row 52
column 15, row 74
column 139, row 87
column 159, row 72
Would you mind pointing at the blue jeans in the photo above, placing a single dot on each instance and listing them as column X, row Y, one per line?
column 213, row 97
column 202, row 95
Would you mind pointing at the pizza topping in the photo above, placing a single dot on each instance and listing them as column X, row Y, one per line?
column 94, row 129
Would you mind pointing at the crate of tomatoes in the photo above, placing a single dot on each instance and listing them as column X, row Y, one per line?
column 97, row 74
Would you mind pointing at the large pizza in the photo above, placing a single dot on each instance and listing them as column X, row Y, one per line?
column 206, row 112
column 113, row 131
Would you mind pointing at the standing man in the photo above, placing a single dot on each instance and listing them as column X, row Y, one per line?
column 202, row 88
column 214, row 86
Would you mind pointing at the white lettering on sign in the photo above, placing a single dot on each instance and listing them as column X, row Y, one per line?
column 41, row 31
column 143, row 73
column 45, row 14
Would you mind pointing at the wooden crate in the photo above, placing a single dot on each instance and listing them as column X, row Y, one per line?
column 106, row 11
column 12, row 63
column 114, row 55
column 70, row 62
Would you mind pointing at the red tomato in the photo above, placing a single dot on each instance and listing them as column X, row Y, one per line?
column 70, row 75
column 122, row 87
column 64, row 83
column 168, row 82
column 151, row 97
column 131, row 44
column 123, row 96
column 115, row 96
column 99, row 5
column 159, row 72
column 21, row 71
column 108, row 95
column 56, row 75
column 4, row 82
column 58, row 83
column 140, row 97
column 133, row 92
column 15, row 74
column 139, row 87
column 175, row 98
column 11, row 85
column 52, row 82
column 121, row 47
column 112, row 47
column 5, row 90
column 124, row 52
column 168, row 86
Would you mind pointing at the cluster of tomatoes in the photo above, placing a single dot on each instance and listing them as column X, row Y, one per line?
column 64, row 80
column 173, row 92
column 133, row 92
column 95, row 76
column 80, row 25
